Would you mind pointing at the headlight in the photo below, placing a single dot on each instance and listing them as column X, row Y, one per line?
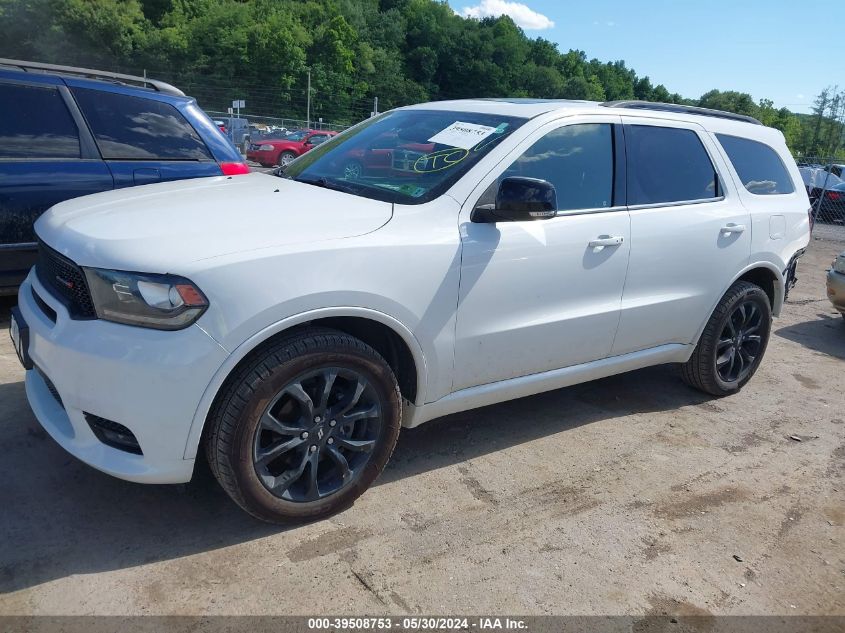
column 839, row 264
column 265, row 148
column 163, row 302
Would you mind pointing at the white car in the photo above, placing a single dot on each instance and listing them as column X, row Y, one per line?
column 429, row 260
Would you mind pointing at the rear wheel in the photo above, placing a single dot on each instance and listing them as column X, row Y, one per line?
column 733, row 342
column 305, row 428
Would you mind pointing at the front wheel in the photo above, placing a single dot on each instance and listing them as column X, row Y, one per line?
column 286, row 158
column 733, row 342
column 305, row 427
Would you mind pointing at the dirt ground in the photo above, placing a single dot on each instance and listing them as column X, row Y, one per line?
column 630, row 495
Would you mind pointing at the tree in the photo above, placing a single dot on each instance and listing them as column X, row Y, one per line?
column 402, row 51
column 730, row 101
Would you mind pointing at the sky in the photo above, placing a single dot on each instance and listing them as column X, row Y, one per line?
column 761, row 47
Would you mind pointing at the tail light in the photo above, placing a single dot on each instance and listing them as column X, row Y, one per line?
column 234, row 169
column 834, row 195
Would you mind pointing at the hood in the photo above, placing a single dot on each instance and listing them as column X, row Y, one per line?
column 283, row 144
column 158, row 228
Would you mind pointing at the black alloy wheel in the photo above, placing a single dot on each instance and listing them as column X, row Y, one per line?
column 304, row 426
column 740, row 342
column 733, row 342
column 317, row 434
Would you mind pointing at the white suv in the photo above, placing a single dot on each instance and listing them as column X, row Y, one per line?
column 429, row 260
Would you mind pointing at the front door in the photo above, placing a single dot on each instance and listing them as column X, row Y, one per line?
column 541, row 295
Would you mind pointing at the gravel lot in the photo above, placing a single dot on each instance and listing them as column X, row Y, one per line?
column 630, row 495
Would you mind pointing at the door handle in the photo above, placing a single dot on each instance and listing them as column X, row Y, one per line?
column 733, row 228
column 606, row 240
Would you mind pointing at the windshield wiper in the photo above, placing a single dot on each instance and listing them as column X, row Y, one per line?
column 327, row 184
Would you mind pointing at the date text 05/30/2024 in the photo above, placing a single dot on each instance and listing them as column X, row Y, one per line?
column 416, row 623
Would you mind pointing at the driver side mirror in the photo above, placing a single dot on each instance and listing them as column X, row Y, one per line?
column 519, row 199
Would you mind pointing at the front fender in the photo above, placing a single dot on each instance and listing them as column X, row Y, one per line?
column 251, row 343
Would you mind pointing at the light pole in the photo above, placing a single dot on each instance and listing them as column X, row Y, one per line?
column 308, row 104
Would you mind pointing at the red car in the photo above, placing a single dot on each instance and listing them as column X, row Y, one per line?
column 397, row 159
column 283, row 151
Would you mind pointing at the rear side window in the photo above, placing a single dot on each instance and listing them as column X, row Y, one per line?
column 134, row 128
column 667, row 165
column 758, row 166
column 35, row 123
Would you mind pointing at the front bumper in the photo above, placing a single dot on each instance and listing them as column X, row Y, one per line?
column 149, row 381
column 836, row 289
column 258, row 156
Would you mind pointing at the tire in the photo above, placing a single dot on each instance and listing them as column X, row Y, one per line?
column 733, row 342
column 262, row 411
column 286, row 158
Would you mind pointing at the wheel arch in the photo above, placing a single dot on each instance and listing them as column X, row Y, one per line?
column 392, row 339
column 761, row 273
column 770, row 280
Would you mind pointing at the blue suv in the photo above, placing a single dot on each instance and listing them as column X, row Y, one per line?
column 68, row 132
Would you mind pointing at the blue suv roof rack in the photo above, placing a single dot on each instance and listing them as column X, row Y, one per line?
column 680, row 109
column 158, row 86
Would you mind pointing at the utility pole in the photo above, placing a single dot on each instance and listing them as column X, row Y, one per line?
column 308, row 106
column 375, row 106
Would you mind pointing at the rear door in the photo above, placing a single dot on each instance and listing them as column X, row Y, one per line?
column 46, row 156
column 143, row 139
column 690, row 234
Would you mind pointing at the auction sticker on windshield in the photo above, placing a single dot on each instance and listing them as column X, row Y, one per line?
column 463, row 135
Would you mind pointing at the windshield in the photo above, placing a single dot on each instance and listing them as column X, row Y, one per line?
column 296, row 136
column 405, row 156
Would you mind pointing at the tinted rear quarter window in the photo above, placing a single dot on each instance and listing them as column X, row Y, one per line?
column 134, row 128
column 758, row 166
column 666, row 165
column 35, row 123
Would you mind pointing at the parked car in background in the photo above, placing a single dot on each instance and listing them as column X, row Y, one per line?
column 837, row 169
column 274, row 134
column 221, row 125
column 541, row 244
column 816, row 178
column 391, row 156
column 68, row 132
column 237, row 129
column 284, row 151
column 831, row 207
column 836, row 283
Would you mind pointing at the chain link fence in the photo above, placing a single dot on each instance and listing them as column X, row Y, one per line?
column 252, row 128
column 824, row 179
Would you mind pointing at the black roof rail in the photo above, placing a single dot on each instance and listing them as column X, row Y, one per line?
column 680, row 109
column 159, row 86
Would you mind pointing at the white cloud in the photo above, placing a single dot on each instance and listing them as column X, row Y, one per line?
column 522, row 15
